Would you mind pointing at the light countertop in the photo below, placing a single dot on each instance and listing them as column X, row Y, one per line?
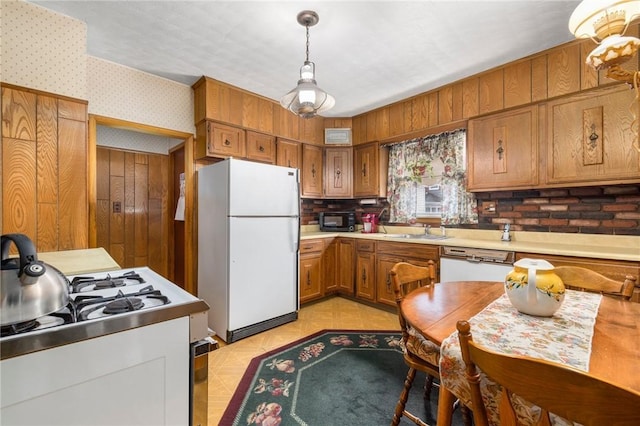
column 74, row 262
column 614, row 247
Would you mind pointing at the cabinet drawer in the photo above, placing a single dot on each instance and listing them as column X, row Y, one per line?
column 408, row 250
column 310, row 246
column 365, row 246
column 225, row 140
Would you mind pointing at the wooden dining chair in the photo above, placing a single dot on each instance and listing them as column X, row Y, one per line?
column 558, row 389
column 579, row 278
column 420, row 354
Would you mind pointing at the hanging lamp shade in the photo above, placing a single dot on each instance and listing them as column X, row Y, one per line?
column 598, row 19
column 307, row 99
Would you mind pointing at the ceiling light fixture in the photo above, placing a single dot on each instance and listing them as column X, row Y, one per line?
column 605, row 22
column 307, row 99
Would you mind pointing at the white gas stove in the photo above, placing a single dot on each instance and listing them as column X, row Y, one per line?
column 129, row 328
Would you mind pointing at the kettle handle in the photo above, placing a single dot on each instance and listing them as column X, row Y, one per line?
column 26, row 250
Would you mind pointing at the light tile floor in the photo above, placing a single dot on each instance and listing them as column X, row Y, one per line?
column 228, row 363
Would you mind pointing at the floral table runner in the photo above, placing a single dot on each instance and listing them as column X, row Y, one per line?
column 564, row 338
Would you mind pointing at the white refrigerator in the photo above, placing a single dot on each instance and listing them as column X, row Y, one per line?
column 248, row 241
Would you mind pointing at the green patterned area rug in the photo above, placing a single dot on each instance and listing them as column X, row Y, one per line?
column 333, row 377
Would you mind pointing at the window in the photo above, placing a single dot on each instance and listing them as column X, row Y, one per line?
column 429, row 201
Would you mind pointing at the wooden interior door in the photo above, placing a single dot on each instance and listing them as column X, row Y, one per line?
column 132, row 207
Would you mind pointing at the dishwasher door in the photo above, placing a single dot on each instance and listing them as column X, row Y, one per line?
column 461, row 269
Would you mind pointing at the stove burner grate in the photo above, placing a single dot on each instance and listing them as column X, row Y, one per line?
column 21, row 327
column 78, row 284
column 125, row 304
column 86, row 305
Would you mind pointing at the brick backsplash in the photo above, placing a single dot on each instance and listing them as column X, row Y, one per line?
column 613, row 210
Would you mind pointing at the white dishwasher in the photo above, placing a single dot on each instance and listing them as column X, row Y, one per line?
column 472, row 264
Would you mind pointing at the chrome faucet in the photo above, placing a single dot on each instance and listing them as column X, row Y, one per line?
column 505, row 233
column 427, row 230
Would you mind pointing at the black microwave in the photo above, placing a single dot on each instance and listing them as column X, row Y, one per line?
column 338, row 221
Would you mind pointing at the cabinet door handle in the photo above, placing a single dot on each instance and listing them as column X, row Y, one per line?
column 388, row 282
column 261, row 148
column 338, row 173
column 593, row 137
column 308, row 277
column 500, row 150
column 226, row 142
column 313, row 170
column 364, row 169
column 364, row 275
column 209, row 146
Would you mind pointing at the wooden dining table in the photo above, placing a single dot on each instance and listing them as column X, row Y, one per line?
column 615, row 352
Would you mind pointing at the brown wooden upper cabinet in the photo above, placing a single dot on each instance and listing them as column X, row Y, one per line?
column 288, row 153
column 219, row 140
column 338, row 180
column 370, row 164
column 261, row 147
column 590, row 139
column 311, row 171
column 503, row 150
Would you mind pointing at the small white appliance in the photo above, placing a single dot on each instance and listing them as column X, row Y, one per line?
column 248, row 240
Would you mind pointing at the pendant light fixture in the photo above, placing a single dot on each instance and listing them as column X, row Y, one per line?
column 605, row 22
column 307, row 99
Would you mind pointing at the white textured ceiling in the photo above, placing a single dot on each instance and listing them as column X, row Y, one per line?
column 367, row 53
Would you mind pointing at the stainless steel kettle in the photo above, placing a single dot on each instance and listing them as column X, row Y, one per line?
column 29, row 288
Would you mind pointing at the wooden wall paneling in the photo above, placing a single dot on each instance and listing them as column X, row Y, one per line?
column 396, row 119
column 312, row 130
column 285, row 124
column 102, row 198
column 213, row 108
column 117, row 230
column 382, row 123
column 159, row 210
column 563, row 70
column 432, row 109
column 72, row 110
column 456, row 107
column 539, row 78
column 230, row 105
column 141, row 186
column 47, row 150
column 517, row 84
column 420, row 112
column 445, row 105
column 250, row 112
column 129, row 209
column 18, row 114
column 47, row 174
column 265, row 114
column 470, row 105
column 359, row 129
column 73, row 204
column 19, row 187
column 47, row 227
column 491, row 91
column 589, row 77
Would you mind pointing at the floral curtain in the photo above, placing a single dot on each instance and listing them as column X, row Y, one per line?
column 412, row 161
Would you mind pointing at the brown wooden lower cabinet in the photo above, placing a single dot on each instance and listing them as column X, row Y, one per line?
column 366, row 270
column 390, row 253
column 329, row 266
column 345, row 265
column 614, row 269
column 311, row 270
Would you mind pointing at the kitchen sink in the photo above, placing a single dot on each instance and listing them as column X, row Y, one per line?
column 415, row 236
